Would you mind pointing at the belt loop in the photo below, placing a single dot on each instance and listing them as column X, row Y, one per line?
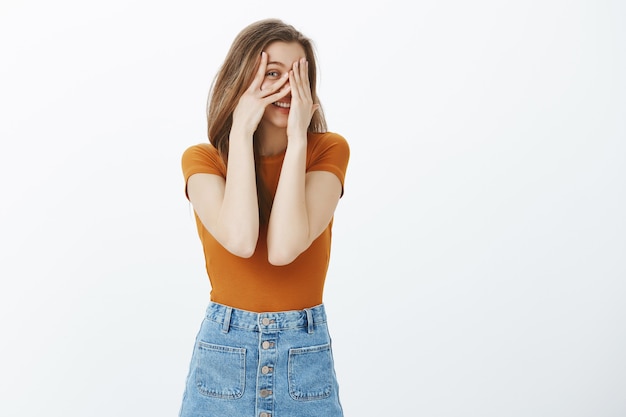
column 309, row 320
column 226, row 322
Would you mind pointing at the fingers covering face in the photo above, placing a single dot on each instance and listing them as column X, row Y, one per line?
column 296, row 81
column 299, row 76
column 260, row 72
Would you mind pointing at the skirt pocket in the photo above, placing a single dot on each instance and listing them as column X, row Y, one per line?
column 220, row 371
column 310, row 372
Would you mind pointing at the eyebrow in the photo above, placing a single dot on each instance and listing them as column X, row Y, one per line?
column 276, row 63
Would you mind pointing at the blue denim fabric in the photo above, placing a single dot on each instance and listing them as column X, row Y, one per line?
column 247, row 364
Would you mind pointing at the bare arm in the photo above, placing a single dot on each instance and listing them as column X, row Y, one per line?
column 304, row 203
column 228, row 209
column 303, row 207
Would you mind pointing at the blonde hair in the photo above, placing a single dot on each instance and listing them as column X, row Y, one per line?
column 235, row 76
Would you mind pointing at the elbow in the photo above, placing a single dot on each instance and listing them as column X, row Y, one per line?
column 279, row 257
column 243, row 248
column 283, row 254
column 242, row 252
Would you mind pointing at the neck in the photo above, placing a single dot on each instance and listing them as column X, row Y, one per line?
column 272, row 140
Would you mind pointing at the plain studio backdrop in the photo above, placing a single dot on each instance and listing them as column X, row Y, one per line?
column 478, row 264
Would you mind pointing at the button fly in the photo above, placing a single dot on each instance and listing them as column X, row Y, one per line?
column 266, row 370
column 265, row 393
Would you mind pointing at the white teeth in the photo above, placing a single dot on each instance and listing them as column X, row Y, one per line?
column 283, row 105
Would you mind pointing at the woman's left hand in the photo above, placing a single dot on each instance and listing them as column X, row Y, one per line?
column 302, row 106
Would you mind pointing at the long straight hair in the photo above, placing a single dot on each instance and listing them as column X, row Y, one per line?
column 236, row 75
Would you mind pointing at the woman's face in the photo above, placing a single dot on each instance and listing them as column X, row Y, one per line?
column 280, row 59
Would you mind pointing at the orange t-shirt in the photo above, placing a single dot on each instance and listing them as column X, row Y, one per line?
column 253, row 283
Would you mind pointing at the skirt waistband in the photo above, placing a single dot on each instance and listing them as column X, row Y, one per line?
column 265, row 322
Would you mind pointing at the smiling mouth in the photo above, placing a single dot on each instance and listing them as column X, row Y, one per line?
column 281, row 104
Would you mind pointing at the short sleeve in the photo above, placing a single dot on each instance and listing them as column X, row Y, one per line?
column 330, row 152
column 203, row 158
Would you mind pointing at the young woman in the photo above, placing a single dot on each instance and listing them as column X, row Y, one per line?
column 264, row 191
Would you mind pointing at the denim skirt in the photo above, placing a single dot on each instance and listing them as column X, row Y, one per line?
column 247, row 364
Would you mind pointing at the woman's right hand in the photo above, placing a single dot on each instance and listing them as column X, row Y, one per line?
column 254, row 100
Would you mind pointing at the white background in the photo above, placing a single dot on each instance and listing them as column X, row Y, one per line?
column 478, row 262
